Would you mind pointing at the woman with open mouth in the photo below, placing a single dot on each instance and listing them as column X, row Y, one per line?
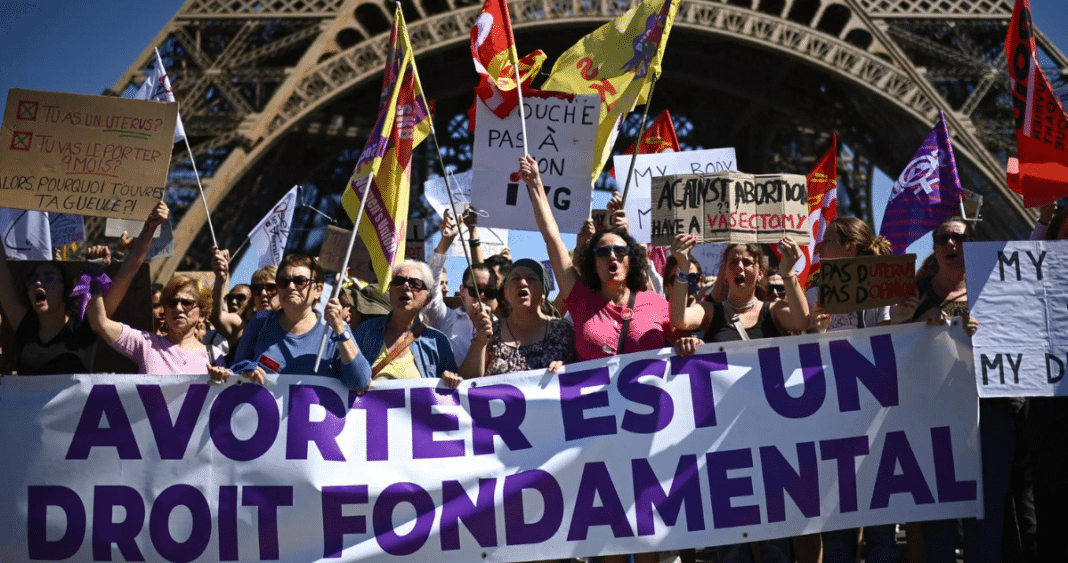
column 289, row 340
column 605, row 292
column 401, row 345
column 743, row 315
column 528, row 337
column 51, row 334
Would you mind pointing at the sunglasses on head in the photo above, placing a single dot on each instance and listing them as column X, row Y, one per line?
column 944, row 238
column 489, row 293
column 415, row 284
column 187, row 304
column 238, row 297
column 268, row 287
column 606, row 251
column 299, row 281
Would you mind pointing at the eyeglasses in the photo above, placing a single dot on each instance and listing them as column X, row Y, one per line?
column 415, row 284
column 300, row 281
column 489, row 293
column 606, row 251
column 270, row 288
column 187, row 304
column 238, row 297
column 944, row 238
column 777, row 287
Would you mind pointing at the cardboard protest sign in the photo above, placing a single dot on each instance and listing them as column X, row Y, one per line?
column 639, row 205
column 781, row 207
column 848, row 285
column 332, row 254
column 89, row 155
column 562, row 132
column 1018, row 291
column 680, row 207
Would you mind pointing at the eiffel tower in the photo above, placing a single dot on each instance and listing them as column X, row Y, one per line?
column 281, row 92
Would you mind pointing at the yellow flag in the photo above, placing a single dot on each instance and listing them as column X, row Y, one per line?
column 616, row 62
column 403, row 122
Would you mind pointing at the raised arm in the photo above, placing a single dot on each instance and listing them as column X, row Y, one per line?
column 435, row 310
column 792, row 314
column 98, row 318
column 563, row 270
column 228, row 324
column 354, row 370
column 475, row 244
column 10, row 297
column 474, row 365
column 684, row 316
column 136, row 255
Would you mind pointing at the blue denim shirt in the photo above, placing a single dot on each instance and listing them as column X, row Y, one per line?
column 431, row 349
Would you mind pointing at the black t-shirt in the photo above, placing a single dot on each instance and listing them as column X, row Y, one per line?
column 71, row 351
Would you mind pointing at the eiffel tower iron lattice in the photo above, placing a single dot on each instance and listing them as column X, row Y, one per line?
column 280, row 92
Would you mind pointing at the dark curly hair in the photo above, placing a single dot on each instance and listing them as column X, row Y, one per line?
column 1055, row 223
column 637, row 279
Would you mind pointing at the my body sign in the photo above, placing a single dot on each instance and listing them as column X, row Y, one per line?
column 1018, row 291
column 86, row 155
column 639, row 206
column 640, row 452
column 562, row 132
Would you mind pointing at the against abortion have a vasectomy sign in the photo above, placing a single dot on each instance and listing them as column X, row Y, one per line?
column 86, row 155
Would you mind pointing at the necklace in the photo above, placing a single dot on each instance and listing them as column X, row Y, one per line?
column 735, row 308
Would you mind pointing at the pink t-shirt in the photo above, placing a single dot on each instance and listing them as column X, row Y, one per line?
column 598, row 322
column 155, row 355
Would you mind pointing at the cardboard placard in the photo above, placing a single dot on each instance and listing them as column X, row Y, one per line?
column 781, row 207
column 89, row 155
column 332, row 253
column 848, row 285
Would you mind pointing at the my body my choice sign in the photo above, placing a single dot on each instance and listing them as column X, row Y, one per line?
column 635, row 453
column 86, row 155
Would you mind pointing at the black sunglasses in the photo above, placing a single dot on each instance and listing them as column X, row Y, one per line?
column 300, row 281
column 777, row 287
column 187, row 304
column 239, row 297
column 944, row 238
column 606, row 251
column 490, row 293
column 415, row 283
column 268, row 287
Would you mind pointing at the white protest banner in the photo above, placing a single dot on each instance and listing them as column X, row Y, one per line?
column 66, row 228
column 1018, row 291
column 639, row 206
column 90, row 155
column 436, row 192
column 162, row 240
column 634, row 453
column 26, row 234
column 562, row 132
column 269, row 237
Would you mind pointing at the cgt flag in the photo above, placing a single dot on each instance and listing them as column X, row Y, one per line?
column 494, row 53
column 1041, row 123
column 822, row 199
column 403, row 122
column 927, row 193
column 616, row 61
column 268, row 239
column 158, row 87
column 659, row 137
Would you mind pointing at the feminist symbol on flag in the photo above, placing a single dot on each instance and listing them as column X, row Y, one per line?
column 918, row 175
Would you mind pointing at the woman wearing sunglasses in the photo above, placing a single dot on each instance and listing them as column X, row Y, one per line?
column 287, row 341
column 528, row 337
column 605, row 289
column 186, row 302
column 400, row 345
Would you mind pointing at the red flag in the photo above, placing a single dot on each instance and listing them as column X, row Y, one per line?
column 495, row 57
column 659, row 137
column 822, row 199
column 1041, row 124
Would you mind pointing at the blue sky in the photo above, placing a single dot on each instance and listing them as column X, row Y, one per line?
column 84, row 47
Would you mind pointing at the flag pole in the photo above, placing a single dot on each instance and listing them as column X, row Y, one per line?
column 203, row 198
column 345, row 264
column 514, row 55
column 641, row 134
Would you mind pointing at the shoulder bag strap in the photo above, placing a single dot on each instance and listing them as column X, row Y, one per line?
column 626, row 322
column 397, row 349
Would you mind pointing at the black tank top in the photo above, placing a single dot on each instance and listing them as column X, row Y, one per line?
column 723, row 331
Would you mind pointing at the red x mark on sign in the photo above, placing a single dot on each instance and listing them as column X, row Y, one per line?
column 21, row 140
column 27, row 111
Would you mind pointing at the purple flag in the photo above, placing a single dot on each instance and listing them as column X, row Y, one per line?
column 927, row 193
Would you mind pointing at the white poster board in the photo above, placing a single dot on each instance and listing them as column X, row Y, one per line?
column 639, row 205
column 436, row 192
column 562, row 133
column 1018, row 291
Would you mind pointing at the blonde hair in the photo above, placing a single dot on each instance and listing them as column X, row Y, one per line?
column 856, row 231
column 200, row 289
column 265, row 274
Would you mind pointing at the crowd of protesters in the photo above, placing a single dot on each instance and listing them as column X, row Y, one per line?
column 611, row 301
